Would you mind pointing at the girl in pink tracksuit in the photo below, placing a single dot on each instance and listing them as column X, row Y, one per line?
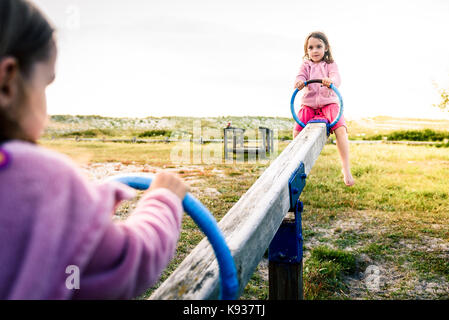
column 319, row 99
column 57, row 236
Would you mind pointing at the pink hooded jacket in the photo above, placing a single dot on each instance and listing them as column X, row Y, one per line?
column 317, row 95
column 52, row 217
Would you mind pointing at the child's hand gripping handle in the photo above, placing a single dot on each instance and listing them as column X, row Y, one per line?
column 206, row 222
column 292, row 102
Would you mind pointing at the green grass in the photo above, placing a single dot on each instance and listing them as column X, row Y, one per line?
column 389, row 178
column 324, row 270
column 86, row 152
column 430, row 264
column 257, row 288
column 347, row 239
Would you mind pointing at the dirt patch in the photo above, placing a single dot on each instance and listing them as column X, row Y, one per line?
column 100, row 171
column 427, row 244
column 218, row 173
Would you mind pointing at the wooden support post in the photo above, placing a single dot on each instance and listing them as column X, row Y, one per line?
column 285, row 281
column 285, row 261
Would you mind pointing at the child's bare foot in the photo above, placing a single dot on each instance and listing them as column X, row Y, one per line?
column 347, row 178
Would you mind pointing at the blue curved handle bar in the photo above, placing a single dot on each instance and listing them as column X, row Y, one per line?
column 206, row 222
column 292, row 104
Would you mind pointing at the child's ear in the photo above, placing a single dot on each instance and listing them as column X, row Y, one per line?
column 8, row 77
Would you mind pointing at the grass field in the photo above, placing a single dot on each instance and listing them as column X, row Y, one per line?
column 385, row 238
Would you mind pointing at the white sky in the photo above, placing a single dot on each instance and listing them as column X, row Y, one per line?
column 139, row 58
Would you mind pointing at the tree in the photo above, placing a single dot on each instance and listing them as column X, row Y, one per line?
column 444, row 103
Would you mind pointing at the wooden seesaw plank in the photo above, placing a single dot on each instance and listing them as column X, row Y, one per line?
column 249, row 226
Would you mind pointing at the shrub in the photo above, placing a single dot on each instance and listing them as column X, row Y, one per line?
column 418, row 135
column 154, row 133
column 412, row 135
column 373, row 137
column 89, row 133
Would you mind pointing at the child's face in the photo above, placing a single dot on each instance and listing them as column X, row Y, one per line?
column 35, row 117
column 316, row 49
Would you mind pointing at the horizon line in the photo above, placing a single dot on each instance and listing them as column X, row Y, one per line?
column 236, row 116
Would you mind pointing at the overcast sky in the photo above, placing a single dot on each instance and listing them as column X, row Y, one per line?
column 139, row 58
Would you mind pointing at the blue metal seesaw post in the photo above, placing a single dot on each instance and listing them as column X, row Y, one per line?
column 206, row 222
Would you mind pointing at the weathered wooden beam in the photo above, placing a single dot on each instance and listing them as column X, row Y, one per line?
column 249, row 226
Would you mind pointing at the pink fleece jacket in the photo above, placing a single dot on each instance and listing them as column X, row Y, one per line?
column 52, row 217
column 316, row 95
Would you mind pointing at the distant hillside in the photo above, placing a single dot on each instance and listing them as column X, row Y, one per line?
column 68, row 125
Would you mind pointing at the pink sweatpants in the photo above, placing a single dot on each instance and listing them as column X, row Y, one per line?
column 329, row 111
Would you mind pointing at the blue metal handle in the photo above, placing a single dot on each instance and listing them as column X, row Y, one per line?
column 292, row 103
column 206, row 222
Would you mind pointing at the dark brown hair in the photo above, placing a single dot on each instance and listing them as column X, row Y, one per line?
column 27, row 36
column 321, row 36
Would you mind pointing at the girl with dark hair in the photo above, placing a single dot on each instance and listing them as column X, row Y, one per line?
column 54, row 223
column 321, row 100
